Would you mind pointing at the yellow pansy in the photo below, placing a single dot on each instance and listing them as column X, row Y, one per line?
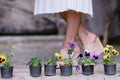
column 107, row 56
column 109, row 46
column 106, row 50
column 2, row 59
column 115, row 52
column 58, row 56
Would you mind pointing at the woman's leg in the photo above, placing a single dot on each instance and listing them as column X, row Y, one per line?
column 73, row 22
column 89, row 40
column 83, row 34
column 82, row 31
column 72, row 19
column 63, row 15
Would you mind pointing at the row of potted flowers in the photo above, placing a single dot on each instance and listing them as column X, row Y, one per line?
column 86, row 59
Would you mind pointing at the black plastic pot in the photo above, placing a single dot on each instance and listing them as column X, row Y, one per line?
column 6, row 72
column 50, row 70
column 87, row 69
column 110, row 69
column 66, row 70
column 35, row 71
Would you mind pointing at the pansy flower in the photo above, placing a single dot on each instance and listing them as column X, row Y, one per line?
column 2, row 59
column 115, row 52
column 94, row 55
column 78, row 67
column 80, row 55
column 71, row 44
column 87, row 53
column 109, row 46
column 58, row 56
column 107, row 56
column 106, row 50
column 87, row 58
column 110, row 54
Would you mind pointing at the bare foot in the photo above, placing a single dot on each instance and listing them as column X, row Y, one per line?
column 64, row 52
column 91, row 38
column 93, row 44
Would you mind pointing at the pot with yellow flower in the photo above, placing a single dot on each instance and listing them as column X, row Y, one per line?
column 7, row 68
column 35, row 66
column 50, row 67
column 66, row 62
column 66, row 67
column 109, row 60
column 87, row 61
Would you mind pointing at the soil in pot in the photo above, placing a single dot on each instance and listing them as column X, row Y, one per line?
column 6, row 72
column 110, row 69
column 87, row 69
column 66, row 70
column 35, row 71
column 50, row 70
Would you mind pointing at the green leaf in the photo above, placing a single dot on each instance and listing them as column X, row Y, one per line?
column 34, row 61
column 50, row 61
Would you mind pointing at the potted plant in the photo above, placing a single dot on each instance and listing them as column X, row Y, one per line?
column 7, row 68
column 109, row 60
column 66, row 67
column 35, row 66
column 50, row 67
column 66, row 62
column 87, row 61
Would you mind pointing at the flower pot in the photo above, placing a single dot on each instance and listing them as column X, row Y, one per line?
column 87, row 69
column 50, row 70
column 35, row 71
column 110, row 69
column 6, row 72
column 66, row 70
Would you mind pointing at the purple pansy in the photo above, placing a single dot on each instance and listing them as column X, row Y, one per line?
column 80, row 55
column 94, row 55
column 71, row 44
column 87, row 53
column 78, row 67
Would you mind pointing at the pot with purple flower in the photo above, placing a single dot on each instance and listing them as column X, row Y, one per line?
column 66, row 61
column 87, row 61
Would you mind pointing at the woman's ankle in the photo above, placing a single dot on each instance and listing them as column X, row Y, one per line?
column 89, row 38
column 64, row 50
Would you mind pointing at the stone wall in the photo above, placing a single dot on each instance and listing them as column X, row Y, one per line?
column 16, row 16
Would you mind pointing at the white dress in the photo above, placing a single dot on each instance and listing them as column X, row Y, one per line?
column 55, row 6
